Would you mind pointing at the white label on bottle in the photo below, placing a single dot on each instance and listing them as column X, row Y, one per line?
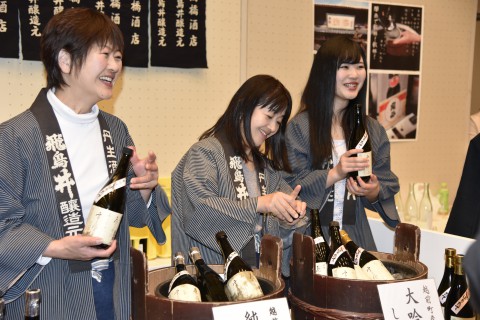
column 318, row 240
column 377, row 271
column 321, row 268
column 461, row 302
column 337, row 254
column 185, row 292
column 368, row 170
column 111, row 187
column 102, row 223
column 360, row 274
column 444, row 295
column 459, row 318
column 344, row 272
column 362, row 141
column 358, row 254
column 175, row 277
column 243, row 286
column 230, row 257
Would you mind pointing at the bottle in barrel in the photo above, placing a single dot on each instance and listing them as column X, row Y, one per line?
column 340, row 264
column 322, row 249
column 446, row 282
column 2, row 308
column 107, row 209
column 458, row 304
column 183, row 286
column 240, row 282
column 32, row 304
column 209, row 282
column 371, row 265
column 359, row 139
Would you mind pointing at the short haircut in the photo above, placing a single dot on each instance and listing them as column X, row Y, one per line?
column 76, row 31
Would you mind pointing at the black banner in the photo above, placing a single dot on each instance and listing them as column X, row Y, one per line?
column 9, row 37
column 178, row 33
column 131, row 16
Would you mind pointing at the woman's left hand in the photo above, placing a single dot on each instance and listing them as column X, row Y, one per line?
column 369, row 189
column 146, row 171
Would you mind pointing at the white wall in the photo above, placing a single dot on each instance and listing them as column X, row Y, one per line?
column 167, row 109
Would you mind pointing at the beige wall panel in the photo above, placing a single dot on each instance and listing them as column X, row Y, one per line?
column 167, row 109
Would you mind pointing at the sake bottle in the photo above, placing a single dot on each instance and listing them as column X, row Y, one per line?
column 209, row 282
column 240, row 282
column 443, row 199
column 411, row 207
column 183, row 286
column 322, row 250
column 446, row 282
column 340, row 264
column 371, row 265
column 359, row 139
column 458, row 304
column 2, row 308
column 107, row 209
column 425, row 209
column 32, row 304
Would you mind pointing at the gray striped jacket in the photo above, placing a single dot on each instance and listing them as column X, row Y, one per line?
column 29, row 222
column 204, row 202
column 313, row 181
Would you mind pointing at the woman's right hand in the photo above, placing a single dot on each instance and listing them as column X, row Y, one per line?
column 284, row 206
column 78, row 247
column 345, row 165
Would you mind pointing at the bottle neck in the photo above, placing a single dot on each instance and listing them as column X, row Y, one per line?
column 226, row 247
column 335, row 237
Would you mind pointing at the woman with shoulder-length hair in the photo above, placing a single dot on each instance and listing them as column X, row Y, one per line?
column 229, row 180
column 317, row 138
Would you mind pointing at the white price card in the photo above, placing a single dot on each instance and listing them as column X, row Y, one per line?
column 416, row 299
column 272, row 309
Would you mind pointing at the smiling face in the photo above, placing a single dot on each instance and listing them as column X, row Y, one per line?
column 264, row 124
column 92, row 81
column 349, row 80
column 95, row 79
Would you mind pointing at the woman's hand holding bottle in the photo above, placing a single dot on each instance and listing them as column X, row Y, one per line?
column 360, row 188
column 346, row 164
column 284, row 206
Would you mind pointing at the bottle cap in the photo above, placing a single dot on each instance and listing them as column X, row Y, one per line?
column 127, row 151
column 344, row 236
column 450, row 252
column 221, row 234
column 334, row 224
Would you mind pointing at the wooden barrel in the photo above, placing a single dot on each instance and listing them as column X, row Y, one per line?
column 317, row 297
column 147, row 306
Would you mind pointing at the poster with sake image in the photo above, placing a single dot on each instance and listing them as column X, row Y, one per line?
column 340, row 17
column 393, row 101
column 391, row 35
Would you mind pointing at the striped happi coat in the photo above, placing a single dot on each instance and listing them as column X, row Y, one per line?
column 204, row 202
column 313, row 181
column 29, row 221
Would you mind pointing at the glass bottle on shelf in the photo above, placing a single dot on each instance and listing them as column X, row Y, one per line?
column 426, row 208
column 400, row 206
column 443, row 199
column 411, row 205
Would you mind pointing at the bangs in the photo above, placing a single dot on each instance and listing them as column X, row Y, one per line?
column 352, row 54
column 111, row 37
column 276, row 102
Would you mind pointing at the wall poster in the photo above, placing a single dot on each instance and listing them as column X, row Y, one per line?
column 391, row 35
